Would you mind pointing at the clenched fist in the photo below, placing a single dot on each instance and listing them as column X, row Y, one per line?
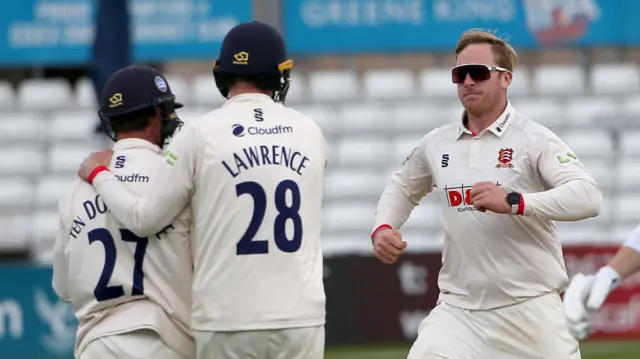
column 388, row 245
column 488, row 196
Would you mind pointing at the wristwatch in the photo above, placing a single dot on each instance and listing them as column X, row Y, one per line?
column 514, row 199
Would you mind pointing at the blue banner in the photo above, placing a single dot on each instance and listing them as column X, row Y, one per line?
column 357, row 26
column 50, row 32
column 34, row 323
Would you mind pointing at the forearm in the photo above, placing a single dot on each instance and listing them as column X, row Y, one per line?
column 626, row 262
column 394, row 207
column 131, row 211
column 573, row 201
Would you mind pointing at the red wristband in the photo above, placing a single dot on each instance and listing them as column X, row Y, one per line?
column 382, row 226
column 521, row 206
column 95, row 172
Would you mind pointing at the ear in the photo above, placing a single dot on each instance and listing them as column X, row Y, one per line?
column 158, row 115
column 506, row 79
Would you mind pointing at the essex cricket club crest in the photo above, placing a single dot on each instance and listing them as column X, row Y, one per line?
column 505, row 156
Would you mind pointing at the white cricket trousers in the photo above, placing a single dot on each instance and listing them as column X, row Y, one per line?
column 294, row 343
column 534, row 329
column 139, row 344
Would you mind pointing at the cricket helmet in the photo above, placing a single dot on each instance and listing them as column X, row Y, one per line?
column 136, row 88
column 256, row 52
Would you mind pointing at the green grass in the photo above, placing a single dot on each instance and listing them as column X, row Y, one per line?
column 604, row 350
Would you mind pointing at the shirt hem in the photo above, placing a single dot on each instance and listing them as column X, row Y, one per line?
column 462, row 304
column 259, row 326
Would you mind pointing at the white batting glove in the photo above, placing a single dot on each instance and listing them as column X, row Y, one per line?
column 587, row 293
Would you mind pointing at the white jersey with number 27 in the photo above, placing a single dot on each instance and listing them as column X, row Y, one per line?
column 117, row 281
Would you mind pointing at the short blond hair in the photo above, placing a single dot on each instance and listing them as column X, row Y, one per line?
column 504, row 54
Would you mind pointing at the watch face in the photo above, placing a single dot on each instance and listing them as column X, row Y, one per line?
column 513, row 198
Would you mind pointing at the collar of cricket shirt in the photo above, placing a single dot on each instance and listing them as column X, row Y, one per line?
column 133, row 143
column 248, row 98
column 498, row 127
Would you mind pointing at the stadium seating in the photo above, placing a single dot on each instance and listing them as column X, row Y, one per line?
column 85, row 94
column 559, row 80
column 43, row 94
column 7, row 97
column 621, row 78
column 16, row 194
column 371, row 121
column 389, row 84
column 15, row 231
column 436, row 83
column 72, row 125
column 521, row 83
column 333, row 86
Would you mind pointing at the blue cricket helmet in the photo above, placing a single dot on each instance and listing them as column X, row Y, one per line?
column 256, row 52
column 135, row 88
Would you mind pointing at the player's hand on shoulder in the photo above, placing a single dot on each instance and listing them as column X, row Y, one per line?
column 489, row 196
column 587, row 293
column 93, row 161
column 388, row 245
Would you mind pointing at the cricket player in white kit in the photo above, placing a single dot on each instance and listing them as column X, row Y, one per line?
column 587, row 293
column 504, row 179
column 252, row 172
column 131, row 294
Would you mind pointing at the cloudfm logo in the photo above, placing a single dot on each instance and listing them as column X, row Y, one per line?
column 238, row 130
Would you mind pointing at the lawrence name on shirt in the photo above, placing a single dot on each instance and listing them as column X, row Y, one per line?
column 263, row 155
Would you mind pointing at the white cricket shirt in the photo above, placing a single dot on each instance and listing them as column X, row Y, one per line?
column 253, row 172
column 492, row 260
column 116, row 281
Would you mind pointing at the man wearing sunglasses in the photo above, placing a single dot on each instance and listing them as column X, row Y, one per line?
column 504, row 179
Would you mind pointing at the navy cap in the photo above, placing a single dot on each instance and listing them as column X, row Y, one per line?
column 134, row 88
column 252, row 48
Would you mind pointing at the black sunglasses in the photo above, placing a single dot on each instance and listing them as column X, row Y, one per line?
column 478, row 72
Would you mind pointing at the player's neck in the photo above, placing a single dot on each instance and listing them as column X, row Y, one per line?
column 141, row 135
column 477, row 122
column 245, row 89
